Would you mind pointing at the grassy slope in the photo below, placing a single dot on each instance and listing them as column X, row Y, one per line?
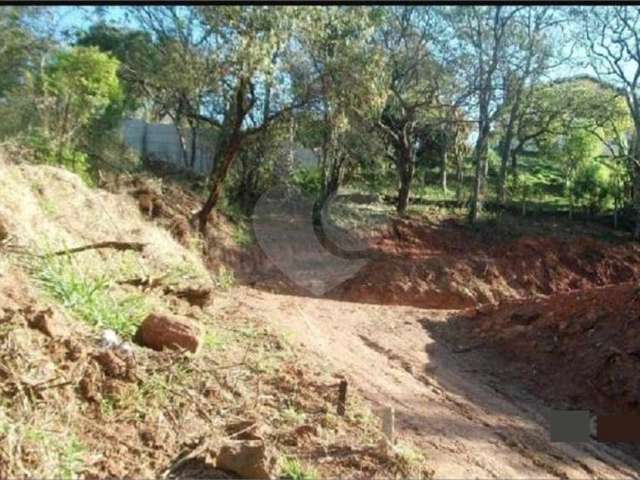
column 67, row 411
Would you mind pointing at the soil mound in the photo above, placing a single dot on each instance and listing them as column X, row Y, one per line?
column 448, row 267
column 579, row 348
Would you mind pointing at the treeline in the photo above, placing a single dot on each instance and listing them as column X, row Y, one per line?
column 482, row 100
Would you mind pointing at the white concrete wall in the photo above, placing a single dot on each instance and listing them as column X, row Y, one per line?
column 162, row 142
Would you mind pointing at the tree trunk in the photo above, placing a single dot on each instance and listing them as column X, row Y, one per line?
column 194, row 143
column 480, row 159
column 505, row 151
column 636, row 199
column 406, row 169
column 181, row 140
column 460, row 179
column 443, row 170
column 229, row 144
column 221, row 169
column 514, row 163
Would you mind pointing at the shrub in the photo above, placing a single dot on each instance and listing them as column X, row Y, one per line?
column 308, row 180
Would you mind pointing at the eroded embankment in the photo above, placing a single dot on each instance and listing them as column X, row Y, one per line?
column 577, row 347
column 447, row 268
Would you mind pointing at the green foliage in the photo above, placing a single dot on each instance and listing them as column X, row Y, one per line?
column 308, row 180
column 225, row 279
column 60, row 110
column 591, row 186
column 44, row 151
column 80, row 86
column 89, row 297
column 134, row 50
column 292, row 469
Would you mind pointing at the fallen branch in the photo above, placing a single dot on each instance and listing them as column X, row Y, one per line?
column 136, row 246
column 469, row 348
column 146, row 282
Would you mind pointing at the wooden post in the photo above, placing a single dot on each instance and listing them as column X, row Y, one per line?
column 342, row 397
column 389, row 424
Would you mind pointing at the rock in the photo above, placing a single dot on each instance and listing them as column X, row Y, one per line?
column 247, row 459
column 161, row 330
column 114, row 365
column 48, row 322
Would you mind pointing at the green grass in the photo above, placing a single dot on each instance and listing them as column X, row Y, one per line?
column 292, row 469
column 241, row 235
column 71, row 459
column 225, row 279
column 57, row 454
column 291, row 416
column 212, row 340
column 89, row 298
column 412, row 460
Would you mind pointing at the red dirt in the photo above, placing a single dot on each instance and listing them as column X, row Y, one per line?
column 450, row 267
column 582, row 348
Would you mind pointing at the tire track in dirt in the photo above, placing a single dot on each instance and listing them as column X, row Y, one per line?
column 467, row 427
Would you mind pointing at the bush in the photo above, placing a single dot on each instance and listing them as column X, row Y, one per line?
column 591, row 186
column 44, row 151
column 63, row 108
column 308, row 180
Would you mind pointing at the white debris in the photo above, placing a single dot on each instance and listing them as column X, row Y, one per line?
column 110, row 339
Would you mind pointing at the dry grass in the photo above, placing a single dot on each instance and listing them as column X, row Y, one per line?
column 65, row 414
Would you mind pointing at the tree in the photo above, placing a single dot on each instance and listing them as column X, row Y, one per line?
column 77, row 88
column 484, row 42
column 20, row 46
column 412, row 104
column 135, row 51
column 242, row 49
column 348, row 88
column 530, row 60
column 611, row 35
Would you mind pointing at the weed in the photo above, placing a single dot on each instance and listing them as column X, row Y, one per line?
column 292, row 416
column 292, row 469
column 411, row 460
column 241, row 235
column 89, row 298
column 107, row 407
column 184, row 271
column 212, row 340
column 225, row 279
column 39, row 451
column 71, row 459
column 48, row 207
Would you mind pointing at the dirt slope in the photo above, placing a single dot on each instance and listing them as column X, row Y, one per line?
column 469, row 424
column 75, row 406
column 449, row 266
column 581, row 348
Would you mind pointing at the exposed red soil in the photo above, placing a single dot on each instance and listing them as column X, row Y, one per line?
column 579, row 348
column 450, row 267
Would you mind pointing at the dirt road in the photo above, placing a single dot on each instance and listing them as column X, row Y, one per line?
column 469, row 424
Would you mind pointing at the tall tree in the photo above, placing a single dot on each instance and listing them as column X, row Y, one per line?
column 611, row 35
column 243, row 48
column 414, row 77
column 338, row 48
column 484, row 42
column 528, row 61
